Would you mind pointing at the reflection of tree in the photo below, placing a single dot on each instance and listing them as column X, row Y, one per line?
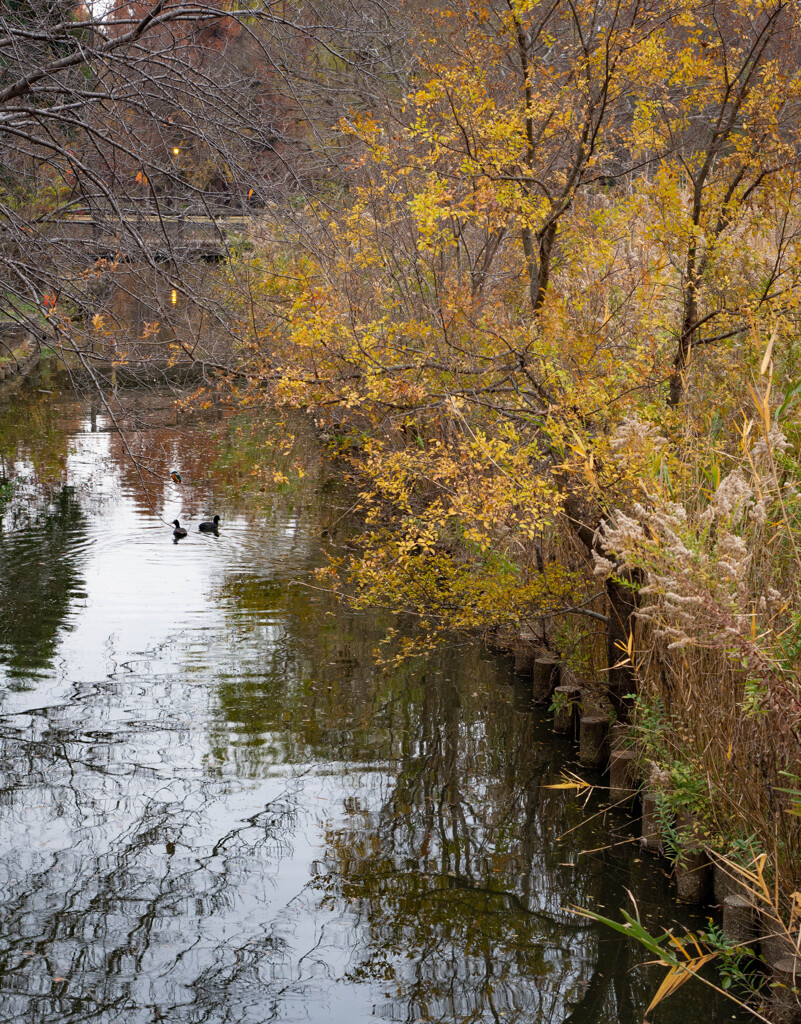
column 214, row 453
column 39, row 579
column 306, row 686
column 34, row 442
column 443, row 867
column 145, row 916
column 452, row 870
column 156, row 904
column 150, row 451
column 435, row 870
column 147, row 820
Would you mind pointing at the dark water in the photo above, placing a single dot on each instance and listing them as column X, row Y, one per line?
column 215, row 806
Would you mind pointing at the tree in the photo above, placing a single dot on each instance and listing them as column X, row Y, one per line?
column 493, row 305
column 725, row 121
column 118, row 122
column 520, row 108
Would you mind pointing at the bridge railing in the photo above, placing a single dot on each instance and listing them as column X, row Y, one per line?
column 99, row 209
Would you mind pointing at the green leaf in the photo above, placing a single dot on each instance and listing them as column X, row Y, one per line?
column 790, row 399
column 632, row 929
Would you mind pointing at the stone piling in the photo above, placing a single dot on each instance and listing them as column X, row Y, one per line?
column 594, row 740
column 567, row 700
column 739, row 920
column 651, row 838
column 622, row 775
column 726, row 883
column 545, row 678
column 693, row 877
column 774, row 942
column 617, row 736
column 786, row 981
column 526, row 651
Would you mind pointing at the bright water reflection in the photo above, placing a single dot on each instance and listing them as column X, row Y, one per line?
column 214, row 807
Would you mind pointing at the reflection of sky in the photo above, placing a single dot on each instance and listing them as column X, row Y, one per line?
column 149, row 599
column 167, row 832
column 127, row 712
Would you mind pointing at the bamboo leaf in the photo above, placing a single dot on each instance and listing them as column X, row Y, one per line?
column 569, row 782
column 676, row 977
column 632, row 929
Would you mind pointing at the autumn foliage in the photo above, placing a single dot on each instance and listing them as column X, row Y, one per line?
column 548, row 318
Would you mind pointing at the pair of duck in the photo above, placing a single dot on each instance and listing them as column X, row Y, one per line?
column 207, row 527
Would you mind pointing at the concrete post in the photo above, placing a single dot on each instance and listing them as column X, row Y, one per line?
column 594, row 740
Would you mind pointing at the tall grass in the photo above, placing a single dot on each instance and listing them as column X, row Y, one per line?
column 717, row 650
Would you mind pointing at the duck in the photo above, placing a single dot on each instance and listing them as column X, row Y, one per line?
column 179, row 531
column 210, row 527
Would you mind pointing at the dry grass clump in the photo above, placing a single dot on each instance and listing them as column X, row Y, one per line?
column 718, row 656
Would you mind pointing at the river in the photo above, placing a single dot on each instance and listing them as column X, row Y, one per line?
column 217, row 806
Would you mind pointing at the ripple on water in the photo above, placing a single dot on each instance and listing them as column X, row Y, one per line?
column 216, row 807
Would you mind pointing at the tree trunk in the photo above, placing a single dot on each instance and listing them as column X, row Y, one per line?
column 532, row 267
column 622, row 605
column 622, row 682
column 690, row 318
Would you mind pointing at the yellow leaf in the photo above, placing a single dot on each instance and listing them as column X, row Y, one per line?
column 768, row 352
column 569, row 783
column 676, row 977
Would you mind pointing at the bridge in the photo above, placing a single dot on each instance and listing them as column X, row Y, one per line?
column 168, row 238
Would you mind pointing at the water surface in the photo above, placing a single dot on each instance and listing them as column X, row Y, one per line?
column 216, row 806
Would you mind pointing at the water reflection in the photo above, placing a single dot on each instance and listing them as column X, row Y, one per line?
column 217, row 807
column 40, row 582
column 43, row 533
column 457, row 868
